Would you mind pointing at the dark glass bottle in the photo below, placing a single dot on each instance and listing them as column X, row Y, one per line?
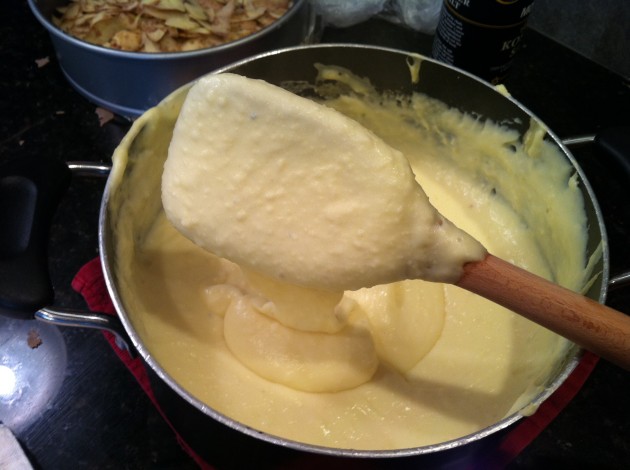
column 481, row 36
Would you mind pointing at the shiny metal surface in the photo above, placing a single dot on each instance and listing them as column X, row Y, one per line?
column 579, row 140
column 85, row 319
column 90, row 169
column 387, row 69
column 621, row 280
column 129, row 83
column 33, row 360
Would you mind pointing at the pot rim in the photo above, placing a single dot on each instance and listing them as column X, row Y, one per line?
column 574, row 354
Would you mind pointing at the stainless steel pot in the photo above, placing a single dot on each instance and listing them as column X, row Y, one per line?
column 387, row 70
column 128, row 83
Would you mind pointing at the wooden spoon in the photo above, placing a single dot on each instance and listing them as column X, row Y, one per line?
column 594, row 326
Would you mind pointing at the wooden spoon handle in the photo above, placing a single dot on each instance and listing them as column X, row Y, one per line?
column 595, row 327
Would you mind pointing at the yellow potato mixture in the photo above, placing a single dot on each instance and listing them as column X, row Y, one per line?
column 398, row 365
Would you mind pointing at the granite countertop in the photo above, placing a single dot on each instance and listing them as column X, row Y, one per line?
column 101, row 419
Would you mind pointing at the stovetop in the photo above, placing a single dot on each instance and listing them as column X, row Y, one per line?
column 92, row 413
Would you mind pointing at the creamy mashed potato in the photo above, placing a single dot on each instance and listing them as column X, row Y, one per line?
column 296, row 190
column 398, row 365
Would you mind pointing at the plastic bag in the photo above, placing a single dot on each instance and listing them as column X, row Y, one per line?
column 420, row 15
column 343, row 13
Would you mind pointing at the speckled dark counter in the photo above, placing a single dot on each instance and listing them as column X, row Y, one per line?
column 101, row 419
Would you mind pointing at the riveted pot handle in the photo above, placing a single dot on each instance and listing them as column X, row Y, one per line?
column 30, row 190
column 81, row 319
column 614, row 141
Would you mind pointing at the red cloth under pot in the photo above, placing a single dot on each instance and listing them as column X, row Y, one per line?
column 89, row 282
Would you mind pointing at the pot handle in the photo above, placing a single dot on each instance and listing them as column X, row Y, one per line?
column 614, row 141
column 617, row 282
column 30, row 191
column 81, row 319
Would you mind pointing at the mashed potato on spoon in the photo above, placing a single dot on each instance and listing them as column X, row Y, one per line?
column 290, row 189
column 293, row 189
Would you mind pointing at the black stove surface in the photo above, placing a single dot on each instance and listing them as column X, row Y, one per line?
column 94, row 415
